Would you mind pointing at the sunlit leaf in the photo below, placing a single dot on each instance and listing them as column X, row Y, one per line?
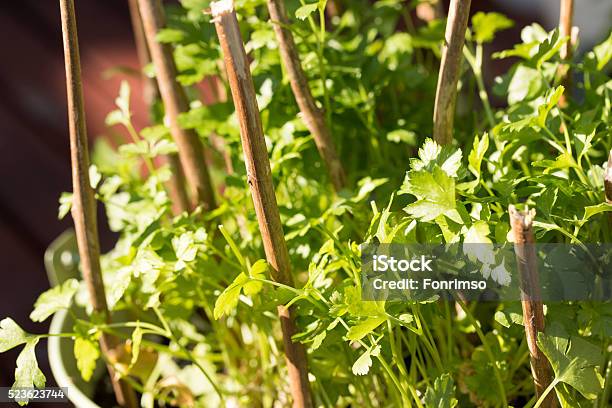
column 574, row 360
column 11, row 335
column 27, row 373
column 364, row 328
column 86, row 353
column 442, row 394
column 57, row 298
column 485, row 25
column 364, row 362
column 304, row 11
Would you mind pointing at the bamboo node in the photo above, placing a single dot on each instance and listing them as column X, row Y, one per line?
column 526, row 217
column 220, row 7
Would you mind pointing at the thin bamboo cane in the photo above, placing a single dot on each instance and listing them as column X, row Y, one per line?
column 176, row 185
column 608, row 186
column 262, row 189
column 312, row 115
column 450, row 67
column 177, row 182
column 150, row 91
column 430, row 10
column 608, row 179
column 83, row 203
column 533, row 309
column 220, row 145
column 333, row 8
column 566, row 17
column 191, row 151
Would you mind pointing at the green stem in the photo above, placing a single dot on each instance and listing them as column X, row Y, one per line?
column 135, row 139
column 138, row 387
column 605, row 395
column 554, row 142
column 63, row 335
column 416, row 356
column 426, row 337
column 154, row 329
column 392, row 376
column 399, row 359
column 523, row 355
column 298, row 292
column 475, row 63
column 322, row 67
column 234, row 248
column 399, row 322
column 485, row 344
column 320, row 36
column 193, row 359
column 449, row 331
column 156, row 346
column 396, row 382
column 547, row 391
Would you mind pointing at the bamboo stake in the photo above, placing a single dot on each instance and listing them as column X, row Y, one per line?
column 177, row 183
column 262, row 190
column 83, row 205
column 333, row 8
column 450, row 66
column 312, row 115
column 533, row 309
column 150, row 91
column 220, row 145
column 608, row 179
column 191, row 151
column 608, row 186
column 429, row 10
column 566, row 17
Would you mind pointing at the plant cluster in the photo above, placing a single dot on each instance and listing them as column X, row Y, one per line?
column 200, row 304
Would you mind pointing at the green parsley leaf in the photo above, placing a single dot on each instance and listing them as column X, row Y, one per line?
column 54, row 299
column 574, row 360
column 86, row 353
column 11, row 335
column 485, row 25
column 27, row 373
column 303, row 12
column 364, row 328
column 442, row 394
